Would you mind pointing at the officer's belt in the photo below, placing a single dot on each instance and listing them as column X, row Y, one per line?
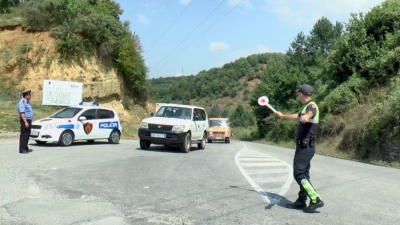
column 305, row 141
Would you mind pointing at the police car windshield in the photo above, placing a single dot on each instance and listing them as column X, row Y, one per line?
column 219, row 123
column 66, row 113
column 174, row 112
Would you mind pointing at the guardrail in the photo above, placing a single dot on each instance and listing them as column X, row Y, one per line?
column 36, row 97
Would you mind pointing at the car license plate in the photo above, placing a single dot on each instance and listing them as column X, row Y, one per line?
column 218, row 137
column 34, row 133
column 158, row 135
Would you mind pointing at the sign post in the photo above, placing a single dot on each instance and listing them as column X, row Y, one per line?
column 62, row 93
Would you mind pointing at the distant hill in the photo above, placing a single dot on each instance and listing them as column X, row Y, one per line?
column 227, row 86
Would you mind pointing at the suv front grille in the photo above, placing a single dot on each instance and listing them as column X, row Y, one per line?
column 160, row 127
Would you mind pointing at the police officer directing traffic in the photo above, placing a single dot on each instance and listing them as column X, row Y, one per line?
column 25, row 118
column 305, row 149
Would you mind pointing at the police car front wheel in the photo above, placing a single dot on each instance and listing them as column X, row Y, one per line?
column 114, row 137
column 66, row 138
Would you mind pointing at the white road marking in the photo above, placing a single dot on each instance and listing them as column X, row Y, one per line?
column 256, row 159
column 269, row 179
column 279, row 164
column 260, row 169
column 267, row 171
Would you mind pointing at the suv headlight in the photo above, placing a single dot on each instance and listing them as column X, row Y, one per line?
column 178, row 128
column 144, row 125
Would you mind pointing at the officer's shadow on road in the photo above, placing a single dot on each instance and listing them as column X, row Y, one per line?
column 273, row 198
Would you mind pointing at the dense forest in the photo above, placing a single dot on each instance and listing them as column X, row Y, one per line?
column 353, row 67
column 226, row 81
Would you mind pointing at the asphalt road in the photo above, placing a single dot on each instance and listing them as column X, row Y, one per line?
column 236, row 183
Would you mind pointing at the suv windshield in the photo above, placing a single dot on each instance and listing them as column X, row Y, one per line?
column 174, row 112
column 219, row 123
column 66, row 113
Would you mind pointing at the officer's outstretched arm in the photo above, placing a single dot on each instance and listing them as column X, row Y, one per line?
column 291, row 116
column 287, row 116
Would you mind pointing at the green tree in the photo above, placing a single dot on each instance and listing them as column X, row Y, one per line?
column 215, row 111
column 241, row 117
column 226, row 112
column 369, row 48
column 5, row 5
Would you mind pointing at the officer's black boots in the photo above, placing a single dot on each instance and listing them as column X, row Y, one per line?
column 298, row 204
column 314, row 206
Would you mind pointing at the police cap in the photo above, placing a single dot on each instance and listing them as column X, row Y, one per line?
column 27, row 92
column 305, row 89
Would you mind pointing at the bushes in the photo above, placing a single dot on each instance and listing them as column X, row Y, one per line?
column 345, row 96
column 370, row 46
column 282, row 130
column 71, row 45
column 369, row 129
column 131, row 64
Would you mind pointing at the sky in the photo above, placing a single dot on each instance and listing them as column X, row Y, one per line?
column 184, row 37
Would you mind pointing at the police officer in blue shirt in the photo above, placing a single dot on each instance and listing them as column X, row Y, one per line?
column 25, row 118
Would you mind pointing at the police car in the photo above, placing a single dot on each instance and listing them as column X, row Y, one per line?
column 87, row 121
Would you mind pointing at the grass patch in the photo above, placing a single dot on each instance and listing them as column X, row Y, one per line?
column 10, row 20
column 244, row 134
column 9, row 119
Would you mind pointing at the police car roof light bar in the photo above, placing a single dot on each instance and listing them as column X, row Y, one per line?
column 89, row 103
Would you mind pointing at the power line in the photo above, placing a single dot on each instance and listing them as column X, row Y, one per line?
column 200, row 35
column 191, row 33
column 171, row 25
column 161, row 15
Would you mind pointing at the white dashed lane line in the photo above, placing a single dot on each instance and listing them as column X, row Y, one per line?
column 266, row 174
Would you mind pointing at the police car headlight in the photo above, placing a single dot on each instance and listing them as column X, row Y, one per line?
column 144, row 125
column 210, row 132
column 178, row 128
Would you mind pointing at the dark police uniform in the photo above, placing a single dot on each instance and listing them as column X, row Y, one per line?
column 24, row 106
column 305, row 150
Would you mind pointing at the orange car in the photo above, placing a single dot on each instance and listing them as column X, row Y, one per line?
column 219, row 130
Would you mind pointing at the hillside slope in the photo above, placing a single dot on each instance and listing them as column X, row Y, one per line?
column 37, row 42
column 26, row 58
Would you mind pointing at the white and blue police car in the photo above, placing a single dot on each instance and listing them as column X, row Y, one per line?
column 86, row 121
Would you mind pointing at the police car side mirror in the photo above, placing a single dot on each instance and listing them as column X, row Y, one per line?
column 151, row 114
column 82, row 118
